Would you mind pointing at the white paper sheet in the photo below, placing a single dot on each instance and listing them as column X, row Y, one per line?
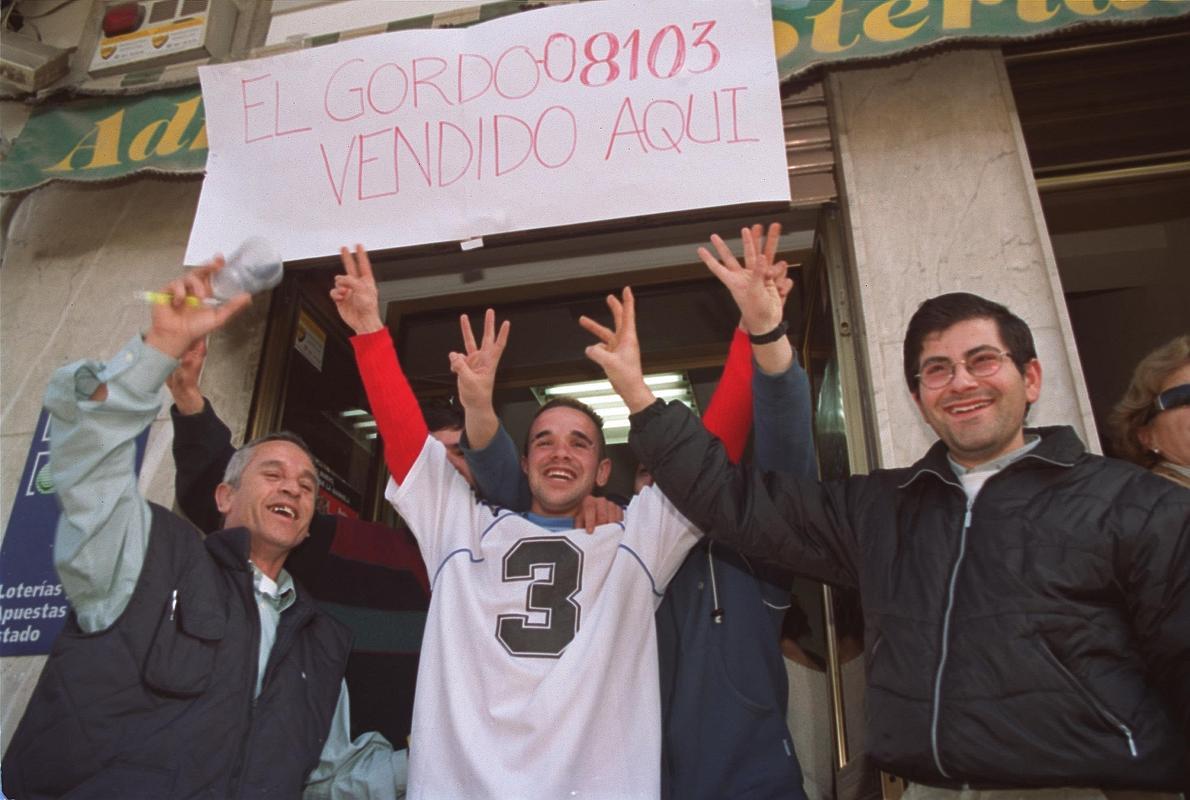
column 562, row 115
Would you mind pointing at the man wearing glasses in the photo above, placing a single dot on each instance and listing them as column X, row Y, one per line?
column 1026, row 603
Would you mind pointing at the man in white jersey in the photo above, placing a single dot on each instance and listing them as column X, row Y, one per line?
column 538, row 675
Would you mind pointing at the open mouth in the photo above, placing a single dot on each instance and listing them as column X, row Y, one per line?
column 283, row 510
column 968, row 407
column 560, row 474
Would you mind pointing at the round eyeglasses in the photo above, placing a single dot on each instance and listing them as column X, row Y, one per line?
column 938, row 372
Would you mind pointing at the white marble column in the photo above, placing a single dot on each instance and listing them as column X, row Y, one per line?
column 938, row 196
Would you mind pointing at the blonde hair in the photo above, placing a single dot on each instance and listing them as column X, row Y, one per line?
column 1135, row 408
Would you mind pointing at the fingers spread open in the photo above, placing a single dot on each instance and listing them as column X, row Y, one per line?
column 347, row 260
column 749, row 246
column 725, row 254
column 772, row 241
column 489, row 327
column 363, row 263
column 720, row 271
column 469, row 345
column 603, row 333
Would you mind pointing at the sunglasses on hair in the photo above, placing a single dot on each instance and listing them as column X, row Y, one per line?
column 1172, row 398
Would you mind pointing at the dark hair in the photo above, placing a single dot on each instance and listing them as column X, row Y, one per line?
column 443, row 414
column 940, row 313
column 239, row 460
column 569, row 402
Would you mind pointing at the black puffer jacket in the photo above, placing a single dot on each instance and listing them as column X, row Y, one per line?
column 1041, row 638
column 160, row 704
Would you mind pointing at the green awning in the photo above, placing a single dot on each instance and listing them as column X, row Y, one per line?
column 810, row 33
column 101, row 139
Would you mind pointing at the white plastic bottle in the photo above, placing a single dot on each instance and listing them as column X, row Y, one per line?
column 253, row 267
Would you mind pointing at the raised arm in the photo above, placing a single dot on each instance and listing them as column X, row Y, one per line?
column 729, row 414
column 758, row 288
column 98, row 411
column 398, row 416
column 489, row 450
column 475, row 369
column 202, row 443
column 800, row 524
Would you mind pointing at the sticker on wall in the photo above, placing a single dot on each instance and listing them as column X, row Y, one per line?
column 310, row 340
column 33, row 606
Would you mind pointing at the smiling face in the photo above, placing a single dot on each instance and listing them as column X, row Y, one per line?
column 1168, row 432
column 273, row 499
column 562, row 461
column 979, row 419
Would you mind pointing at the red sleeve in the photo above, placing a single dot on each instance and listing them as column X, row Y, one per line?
column 398, row 416
column 729, row 415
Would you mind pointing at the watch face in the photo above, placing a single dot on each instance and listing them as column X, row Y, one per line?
column 1172, row 398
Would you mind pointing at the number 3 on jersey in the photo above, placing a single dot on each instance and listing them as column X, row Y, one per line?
column 554, row 568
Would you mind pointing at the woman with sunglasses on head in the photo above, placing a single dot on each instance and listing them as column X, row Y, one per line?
column 1151, row 423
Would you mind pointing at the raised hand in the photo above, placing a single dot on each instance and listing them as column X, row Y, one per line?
column 768, row 244
column 756, row 286
column 476, row 365
column 476, row 371
column 183, row 381
column 355, row 295
column 176, row 324
column 618, row 351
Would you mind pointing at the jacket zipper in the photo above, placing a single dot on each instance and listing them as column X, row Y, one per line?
column 954, row 576
column 254, row 654
column 717, row 612
column 1092, row 700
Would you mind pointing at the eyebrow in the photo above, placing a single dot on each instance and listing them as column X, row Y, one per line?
column 274, row 463
column 575, row 432
column 978, row 348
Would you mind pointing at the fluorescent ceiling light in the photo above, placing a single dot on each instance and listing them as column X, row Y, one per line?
column 602, row 399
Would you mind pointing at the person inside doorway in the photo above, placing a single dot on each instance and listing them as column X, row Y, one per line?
column 539, row 676
column 724, row 693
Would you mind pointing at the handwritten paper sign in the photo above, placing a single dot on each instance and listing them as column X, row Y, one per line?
column 563, row 115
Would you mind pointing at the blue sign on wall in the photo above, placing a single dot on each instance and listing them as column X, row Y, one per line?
column 33, row 606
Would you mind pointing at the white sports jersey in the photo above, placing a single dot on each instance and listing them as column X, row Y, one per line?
column 538, row 673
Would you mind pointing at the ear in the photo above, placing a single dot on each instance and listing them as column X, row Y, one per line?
column 223, row 495
column 603, row 472
column 525, row 465
column 1032, row 376
column 1147, row 438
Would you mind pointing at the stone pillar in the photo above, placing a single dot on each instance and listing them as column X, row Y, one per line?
column 74, row 257
column 938, row 196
